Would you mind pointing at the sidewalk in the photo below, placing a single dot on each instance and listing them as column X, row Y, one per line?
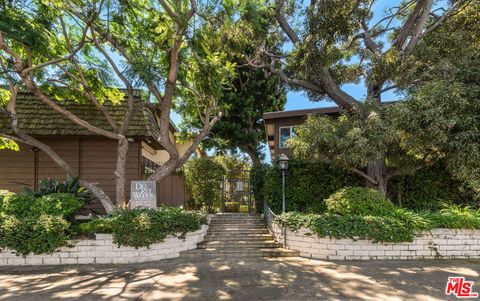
column 260, row 279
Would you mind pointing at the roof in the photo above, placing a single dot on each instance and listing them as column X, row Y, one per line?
column 36, row 118
column 303, row 112
column 272, row 120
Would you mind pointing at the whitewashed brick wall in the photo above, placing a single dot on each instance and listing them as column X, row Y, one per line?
column 438, row 243
column 103, row 250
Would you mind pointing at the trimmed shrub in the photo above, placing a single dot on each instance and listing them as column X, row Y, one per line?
column 307, row 185
column 19, row 205
column 33, row 234
column 58, row 204
column 358, row 201
column 143, row 227
column 37, row 225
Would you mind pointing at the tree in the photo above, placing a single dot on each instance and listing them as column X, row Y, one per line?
column 337, row 42
column 57, row 49
column 204, row 177
column 252, row 91
column 444, row 100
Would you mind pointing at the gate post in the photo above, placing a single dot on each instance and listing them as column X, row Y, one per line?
column 222, row 186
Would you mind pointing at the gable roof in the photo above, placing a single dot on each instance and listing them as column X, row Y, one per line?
column 36, row 118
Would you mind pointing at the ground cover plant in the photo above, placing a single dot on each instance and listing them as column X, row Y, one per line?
column 351, row 213
column 143, row 227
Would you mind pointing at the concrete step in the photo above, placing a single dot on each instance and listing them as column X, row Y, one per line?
column 236, row 244
column 258, row 237
column 237, row 231
column 237, row 226
column 237, row 220
column 216, row 222
column 236, row 253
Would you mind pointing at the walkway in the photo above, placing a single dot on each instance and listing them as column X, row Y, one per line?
column 246, row 279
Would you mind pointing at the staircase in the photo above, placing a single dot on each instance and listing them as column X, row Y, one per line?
column 233, row 235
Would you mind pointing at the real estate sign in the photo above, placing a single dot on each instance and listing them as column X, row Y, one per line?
column 143, row 194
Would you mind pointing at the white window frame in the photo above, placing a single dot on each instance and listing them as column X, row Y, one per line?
column 292, row 132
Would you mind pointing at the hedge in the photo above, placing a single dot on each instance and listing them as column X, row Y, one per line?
column 307, row 185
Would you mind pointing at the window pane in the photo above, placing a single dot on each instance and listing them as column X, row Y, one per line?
column 284, row 136
column 294, row 131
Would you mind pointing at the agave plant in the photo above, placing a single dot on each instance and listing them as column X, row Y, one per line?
column 70, row 185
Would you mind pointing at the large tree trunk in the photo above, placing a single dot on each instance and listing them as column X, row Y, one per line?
column 377, row 170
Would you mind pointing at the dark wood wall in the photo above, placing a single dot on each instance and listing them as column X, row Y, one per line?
column 93, row 159
column 281, row 122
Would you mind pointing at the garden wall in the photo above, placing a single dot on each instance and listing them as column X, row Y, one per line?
column 435, row 244
column 103, row 250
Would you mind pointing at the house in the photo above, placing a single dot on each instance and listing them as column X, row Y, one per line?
column 280, row 126
column 91, row 156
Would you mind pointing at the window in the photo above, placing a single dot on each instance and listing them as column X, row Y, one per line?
column 286, row 132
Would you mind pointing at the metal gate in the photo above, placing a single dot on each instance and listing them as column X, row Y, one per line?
column 237, row 193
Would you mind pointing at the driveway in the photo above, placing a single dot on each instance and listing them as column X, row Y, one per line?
column 256, row 279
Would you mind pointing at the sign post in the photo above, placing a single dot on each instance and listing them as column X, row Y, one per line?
column 143, row 194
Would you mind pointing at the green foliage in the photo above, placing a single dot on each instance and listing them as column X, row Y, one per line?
column 8, row 144
column 358, row 201
column 395, row 225
column 376, row 228
column 70, row 185
column 58, row 204
column 455, row 217
column 257, row 180
column 243, row 209
column 30, row 224
column 64, row 205
column 307, row 185
column 429, row 188
column 33, row 234
column 238, row 32
column 442, row 111
column 204, row 177
column 96, row 225
column 233, row 207
column 353, row 141
column 143, row 227
column 19, row 205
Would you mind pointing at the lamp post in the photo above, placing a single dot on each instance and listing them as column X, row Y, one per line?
column 283, row 166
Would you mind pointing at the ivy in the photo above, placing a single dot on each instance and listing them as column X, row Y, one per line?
column 143, row 227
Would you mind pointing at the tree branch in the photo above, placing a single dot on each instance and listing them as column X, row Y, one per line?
column 282, row 21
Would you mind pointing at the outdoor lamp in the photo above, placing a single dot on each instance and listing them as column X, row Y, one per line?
column 283, row 166
column 283, row 162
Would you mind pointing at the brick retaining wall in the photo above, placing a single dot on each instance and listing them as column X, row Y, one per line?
column 438, row 243
column 103, row 250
